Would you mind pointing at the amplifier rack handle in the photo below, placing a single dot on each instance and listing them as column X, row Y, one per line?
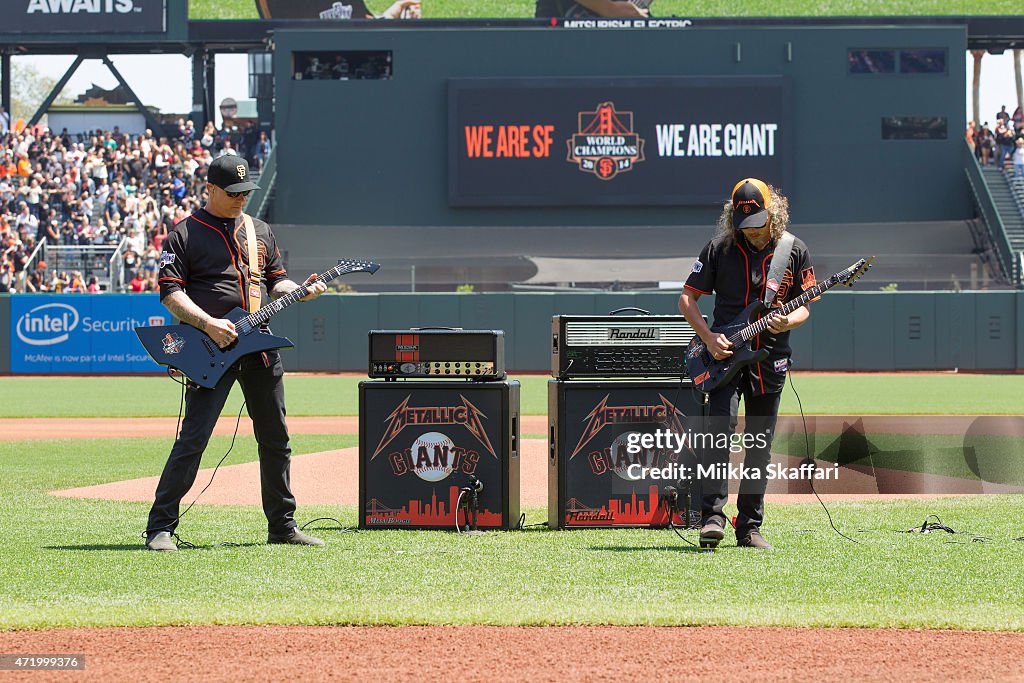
column 629, row 308
column 437, row 327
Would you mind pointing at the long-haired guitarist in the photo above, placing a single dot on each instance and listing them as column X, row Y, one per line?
column 736, row 266
column 204, row 274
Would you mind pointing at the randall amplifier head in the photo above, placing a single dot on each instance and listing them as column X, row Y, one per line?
column 443, row 353
column 619, row 345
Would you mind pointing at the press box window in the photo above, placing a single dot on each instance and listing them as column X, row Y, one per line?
column 914, row 128
column 348, row 65
column 922, row 61
column 871, row 61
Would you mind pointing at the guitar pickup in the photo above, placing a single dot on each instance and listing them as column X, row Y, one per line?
column 208, row 343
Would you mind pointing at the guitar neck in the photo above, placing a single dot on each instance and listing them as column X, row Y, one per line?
column 757, row 327
column 277, row 305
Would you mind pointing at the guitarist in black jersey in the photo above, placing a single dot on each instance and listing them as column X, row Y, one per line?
column 205, row 273
column 737, row 267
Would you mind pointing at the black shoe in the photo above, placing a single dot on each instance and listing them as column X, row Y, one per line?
column 753, row 539
column 711, row 533
column 161, row 541
column 294, row 537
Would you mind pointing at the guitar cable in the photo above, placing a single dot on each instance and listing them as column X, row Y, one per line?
column 809, row 459
column 182, row 543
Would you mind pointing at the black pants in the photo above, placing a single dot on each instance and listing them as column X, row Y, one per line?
column 761, row 413
column 263, row 388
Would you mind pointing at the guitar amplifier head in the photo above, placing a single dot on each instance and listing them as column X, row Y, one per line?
column 619, row 345
column 437, row 353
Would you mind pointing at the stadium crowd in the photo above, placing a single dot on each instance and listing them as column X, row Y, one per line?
column 102, row 189
column 1002, row 144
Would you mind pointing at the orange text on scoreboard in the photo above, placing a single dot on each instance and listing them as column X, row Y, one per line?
column 509, row 141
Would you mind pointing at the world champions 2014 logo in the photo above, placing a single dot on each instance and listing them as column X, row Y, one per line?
column 605, row 144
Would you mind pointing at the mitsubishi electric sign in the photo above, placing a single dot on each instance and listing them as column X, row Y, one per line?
column 83, row 16
column 82, row 333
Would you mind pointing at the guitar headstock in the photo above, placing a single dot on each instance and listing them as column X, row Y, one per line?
column 354, row 266
column 848, row 276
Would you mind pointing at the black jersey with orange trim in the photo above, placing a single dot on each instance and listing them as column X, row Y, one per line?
column 207, row 257
column 736, row 273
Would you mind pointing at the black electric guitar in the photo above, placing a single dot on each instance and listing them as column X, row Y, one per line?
column 707, row 373
column 194, row 354
column 578, row 11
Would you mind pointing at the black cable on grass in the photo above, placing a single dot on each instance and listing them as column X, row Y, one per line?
column 808, row 458
column 938, row 525
column 673, row 527
column 183, row 543
column 342, row 528
column 458, row 506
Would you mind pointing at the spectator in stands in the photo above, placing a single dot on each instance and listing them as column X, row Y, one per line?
column 1004, row 140
column 1018, row 158
column 6, row 273
column 138, row 283
column 57, row 282
column 984, row 143
column 94, row 286
column 25, row 219
column 602, row 8
column 209, row 135
column 1002, row 115
column 76, row 284
column 38, row 280
column 262, row 150
column 5, row 121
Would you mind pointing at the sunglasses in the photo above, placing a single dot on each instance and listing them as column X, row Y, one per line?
column 235, row 195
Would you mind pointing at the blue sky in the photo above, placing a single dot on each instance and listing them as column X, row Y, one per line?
column 165, row 81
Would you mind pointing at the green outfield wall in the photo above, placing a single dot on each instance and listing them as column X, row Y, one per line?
column 847, row 330
column 371, row 151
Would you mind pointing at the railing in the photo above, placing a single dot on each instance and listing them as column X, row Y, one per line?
column 259, row 199
column 90, row 260
column 30, row 265
column 116, row 270
column 990, row 216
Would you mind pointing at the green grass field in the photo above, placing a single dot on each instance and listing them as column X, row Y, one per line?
column 822, row 394
column 518, row 9
column 73, row 562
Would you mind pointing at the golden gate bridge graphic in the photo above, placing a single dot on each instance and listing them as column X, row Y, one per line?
column 415, row 512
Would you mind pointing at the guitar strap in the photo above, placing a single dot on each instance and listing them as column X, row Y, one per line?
column 777, row 270
column 255, row 296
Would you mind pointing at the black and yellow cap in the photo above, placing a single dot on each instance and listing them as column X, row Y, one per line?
column 750, row 201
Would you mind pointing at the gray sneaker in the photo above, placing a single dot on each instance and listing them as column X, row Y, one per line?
column 294, row 537
column 161, row 541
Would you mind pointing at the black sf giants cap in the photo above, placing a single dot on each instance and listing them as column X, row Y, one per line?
column 231, row 174
column 750, row 201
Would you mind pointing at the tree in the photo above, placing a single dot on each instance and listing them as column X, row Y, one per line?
column 29, row 89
